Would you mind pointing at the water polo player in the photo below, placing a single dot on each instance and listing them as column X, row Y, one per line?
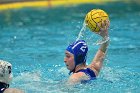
column 76, row 54
column 6, row 77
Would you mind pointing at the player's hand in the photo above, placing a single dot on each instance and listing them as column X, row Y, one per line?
column 104, row 28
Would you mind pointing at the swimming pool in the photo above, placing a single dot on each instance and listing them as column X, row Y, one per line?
column 34, row 41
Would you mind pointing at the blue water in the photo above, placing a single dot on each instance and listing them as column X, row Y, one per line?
column 34, row 41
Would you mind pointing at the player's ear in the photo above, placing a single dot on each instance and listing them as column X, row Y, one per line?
column 80, row 58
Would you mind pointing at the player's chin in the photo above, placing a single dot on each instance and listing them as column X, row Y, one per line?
column 68, row 67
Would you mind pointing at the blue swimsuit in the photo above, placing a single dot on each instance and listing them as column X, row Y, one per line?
column 89, row 73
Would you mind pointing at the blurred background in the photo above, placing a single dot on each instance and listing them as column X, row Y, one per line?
column 35, row 33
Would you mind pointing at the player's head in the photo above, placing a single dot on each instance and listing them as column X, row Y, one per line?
column 5, row 72
column 79, row 50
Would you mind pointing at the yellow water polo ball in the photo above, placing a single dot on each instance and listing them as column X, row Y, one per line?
column 93, row 17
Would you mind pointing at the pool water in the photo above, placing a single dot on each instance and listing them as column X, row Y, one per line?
column 34, row 41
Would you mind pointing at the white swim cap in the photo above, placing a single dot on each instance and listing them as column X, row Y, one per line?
column 5, row 72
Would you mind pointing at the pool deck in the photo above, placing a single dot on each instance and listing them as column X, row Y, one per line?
column 16, row 4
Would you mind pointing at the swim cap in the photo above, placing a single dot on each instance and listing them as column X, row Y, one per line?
column 5, row 72
column 79, row 50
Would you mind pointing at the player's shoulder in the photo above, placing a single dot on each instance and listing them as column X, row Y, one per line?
column 79, row 76
column 13, row 90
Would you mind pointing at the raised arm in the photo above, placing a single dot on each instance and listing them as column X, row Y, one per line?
column 97, row 61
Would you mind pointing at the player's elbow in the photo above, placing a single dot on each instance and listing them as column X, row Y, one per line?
column 97, row 66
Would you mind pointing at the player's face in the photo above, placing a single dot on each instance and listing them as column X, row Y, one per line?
column 69, row 60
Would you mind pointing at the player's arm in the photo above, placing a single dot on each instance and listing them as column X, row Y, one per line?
column 97, row 61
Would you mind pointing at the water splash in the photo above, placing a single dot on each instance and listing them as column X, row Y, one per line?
column 101, row 41
column 81, row 33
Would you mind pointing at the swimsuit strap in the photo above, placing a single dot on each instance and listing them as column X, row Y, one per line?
column 88, row 72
